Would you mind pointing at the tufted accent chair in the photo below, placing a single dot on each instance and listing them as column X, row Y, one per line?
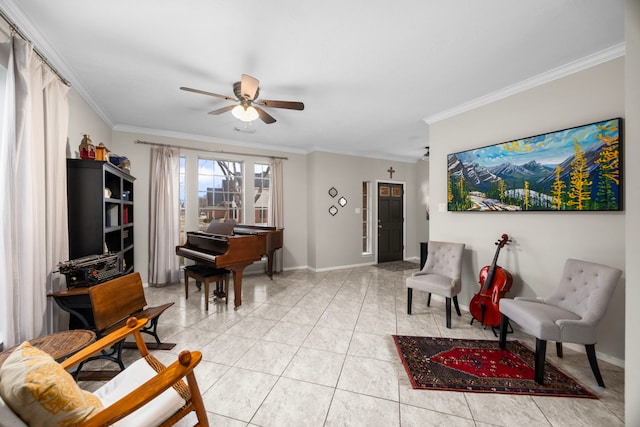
column 440, row 275
column 571, row 313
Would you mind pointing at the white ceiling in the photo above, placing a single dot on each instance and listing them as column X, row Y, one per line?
column 368, row 71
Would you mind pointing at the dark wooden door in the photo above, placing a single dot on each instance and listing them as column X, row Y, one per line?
column 390, row 222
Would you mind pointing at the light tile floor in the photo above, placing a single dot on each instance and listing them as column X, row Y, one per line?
column 315, row 349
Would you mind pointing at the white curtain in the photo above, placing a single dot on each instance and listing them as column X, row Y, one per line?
column 56, row 129
column 276, row 208
column 164, row 221
column 32, row 175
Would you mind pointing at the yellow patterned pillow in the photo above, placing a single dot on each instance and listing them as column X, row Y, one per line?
column 40, row 392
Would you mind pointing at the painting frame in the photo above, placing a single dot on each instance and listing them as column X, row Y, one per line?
column 577, row 169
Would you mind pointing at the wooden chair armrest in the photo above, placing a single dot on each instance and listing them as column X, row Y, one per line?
column 148, row 391
column 133, row 326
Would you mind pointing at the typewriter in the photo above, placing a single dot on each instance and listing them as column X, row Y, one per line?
column 90, row 270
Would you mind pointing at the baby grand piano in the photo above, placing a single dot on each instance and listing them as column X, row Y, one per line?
column 234, row 251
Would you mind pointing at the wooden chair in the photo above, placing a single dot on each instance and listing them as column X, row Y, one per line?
column 116, row 300
column 113, row 302
column 163, row 385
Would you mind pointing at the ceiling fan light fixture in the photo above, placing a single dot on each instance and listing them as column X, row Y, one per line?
column 246, row 92
column 247, row 114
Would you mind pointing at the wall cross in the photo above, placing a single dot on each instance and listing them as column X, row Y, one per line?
column 391, row 172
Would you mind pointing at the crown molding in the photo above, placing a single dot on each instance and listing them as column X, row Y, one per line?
column 546, row 77
column 203, row 138
column 13, row 11
column 261, row 146
column 395, row 158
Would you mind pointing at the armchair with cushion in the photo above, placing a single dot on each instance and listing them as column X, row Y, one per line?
column 440, row 275
column 571, row 313
column 37, row 391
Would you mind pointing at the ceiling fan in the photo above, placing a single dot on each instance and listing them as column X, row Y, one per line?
column 248, row 105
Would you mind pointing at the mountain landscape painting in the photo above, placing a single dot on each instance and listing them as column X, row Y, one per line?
column 575, row 169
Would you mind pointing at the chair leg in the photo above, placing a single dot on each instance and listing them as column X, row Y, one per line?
column 76, row 373
column 429, row 300
column 541, row 352
column 455, row 304
column 448, row 314
column 152, row 329
column 196, row 399
column 591, row 354
column 559, row 349
column 409, row 298
column 504, row 325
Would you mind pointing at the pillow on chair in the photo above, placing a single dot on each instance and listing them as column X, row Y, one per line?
column 41, row 392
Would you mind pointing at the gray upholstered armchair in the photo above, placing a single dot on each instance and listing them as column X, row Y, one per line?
column 440, row 275
column 571, row 313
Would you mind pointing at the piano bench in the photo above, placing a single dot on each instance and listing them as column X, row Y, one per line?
column 203, row 274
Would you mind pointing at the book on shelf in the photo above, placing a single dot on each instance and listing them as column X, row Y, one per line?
column 112, row 216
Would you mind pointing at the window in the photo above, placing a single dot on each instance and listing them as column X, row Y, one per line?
column 262, row 180
column 219, row 191
column 366, row 218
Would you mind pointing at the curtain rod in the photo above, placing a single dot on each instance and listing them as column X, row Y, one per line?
column 16, row 30
column 137, row 141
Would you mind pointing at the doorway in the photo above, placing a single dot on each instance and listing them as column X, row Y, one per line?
column 390, row 222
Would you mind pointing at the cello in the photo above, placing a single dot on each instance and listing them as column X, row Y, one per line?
column 495, row 282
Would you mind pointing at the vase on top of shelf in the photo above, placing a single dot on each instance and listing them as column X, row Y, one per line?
column 102, row 152
column 87, row 149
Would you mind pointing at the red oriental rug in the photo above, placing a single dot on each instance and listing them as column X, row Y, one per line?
column 480, row 366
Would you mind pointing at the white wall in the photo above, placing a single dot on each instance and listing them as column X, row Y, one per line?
column 423, row 204
column 541, row 240
column 336, row 240
column 632, row 193
column 83, row 119
column 313, row 209
column 296, row 214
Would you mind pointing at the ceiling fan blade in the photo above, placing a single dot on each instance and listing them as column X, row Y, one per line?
column 249, row 87
column 290, row 105
column 222, row 110
column 264, row 116
column 202, row 92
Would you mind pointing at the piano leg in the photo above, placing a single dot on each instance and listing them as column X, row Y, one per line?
column 237, row 285
column 270, row 264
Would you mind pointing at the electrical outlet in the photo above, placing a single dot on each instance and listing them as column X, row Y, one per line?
column 442, row 207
